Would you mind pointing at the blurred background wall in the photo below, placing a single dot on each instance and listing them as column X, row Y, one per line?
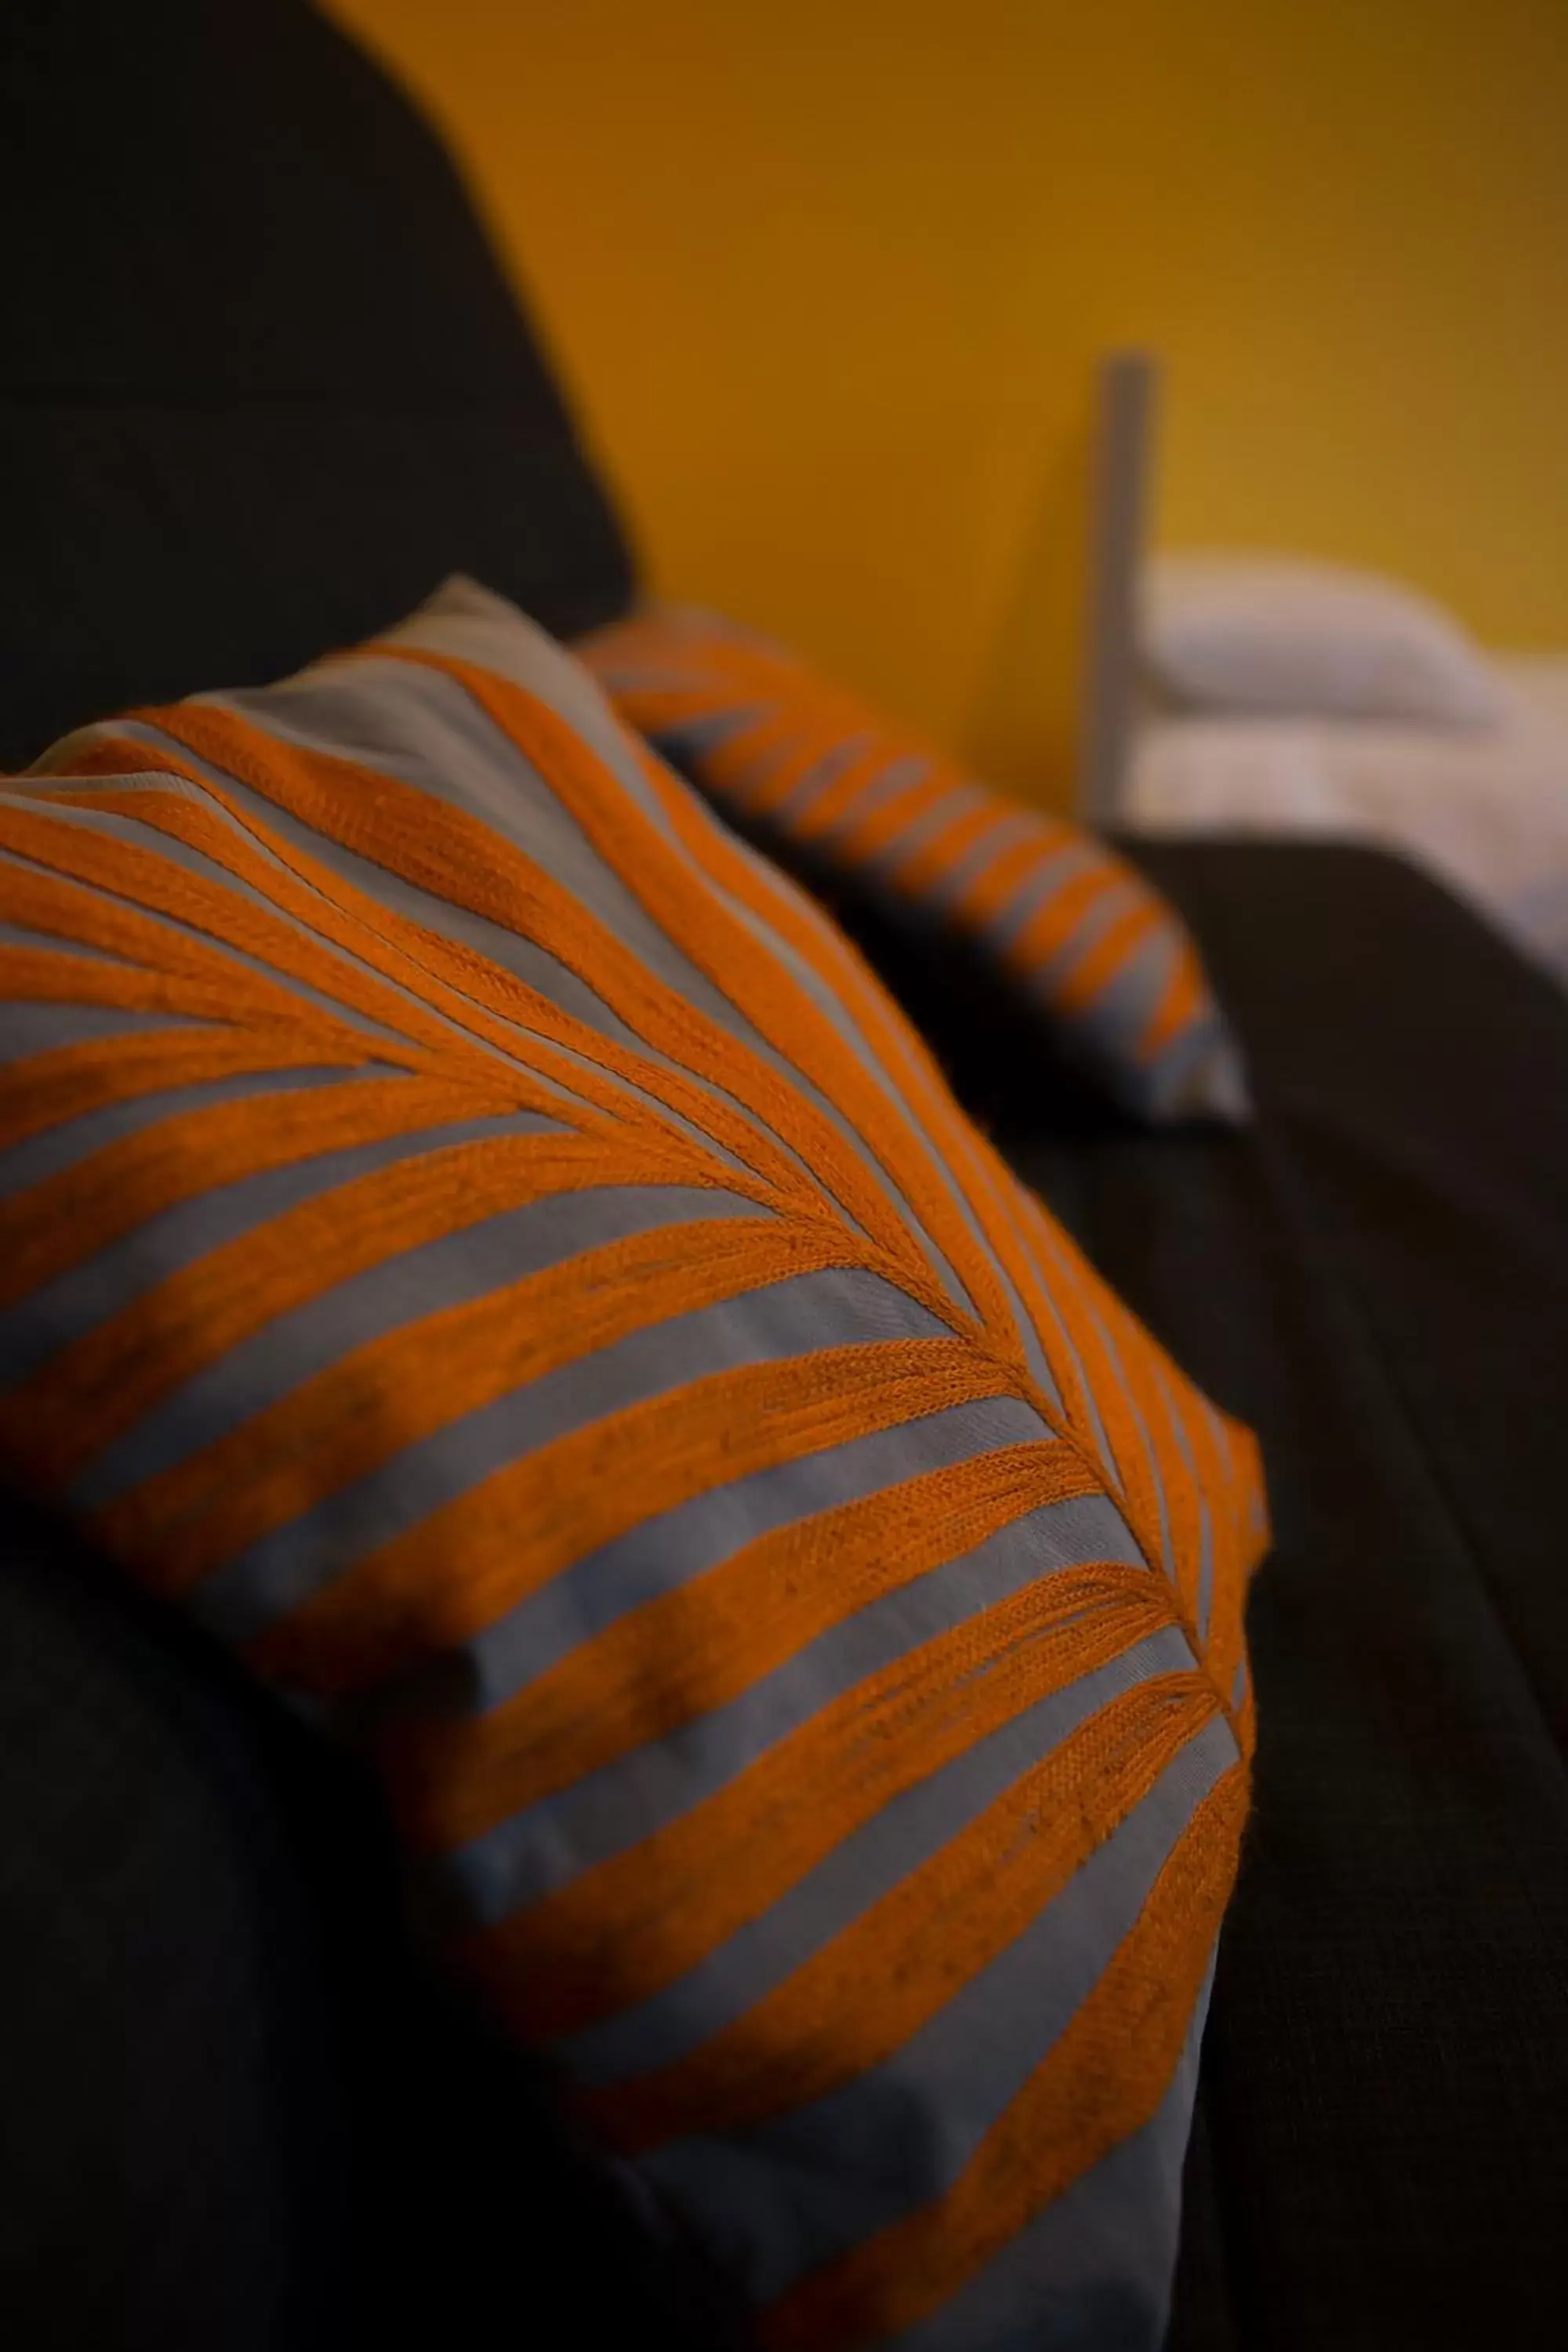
column 828, row 279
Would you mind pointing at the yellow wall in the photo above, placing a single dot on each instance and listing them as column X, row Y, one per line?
column 827, row 278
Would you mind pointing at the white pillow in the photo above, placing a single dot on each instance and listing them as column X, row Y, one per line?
column 1281, row 635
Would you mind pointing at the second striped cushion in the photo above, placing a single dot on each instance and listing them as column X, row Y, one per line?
column 1079, row 934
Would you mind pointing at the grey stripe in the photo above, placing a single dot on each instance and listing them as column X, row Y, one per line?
column 20, row 935
column 786, row 1319
column 1010, row 832
column 533, row 660
column 1051, row 876
column 44, row 1025
column 1197, row 1071
column 73, row 1139
column 686, row 749
column 887, row 1849
column 522, row 957
column 831, row 1006
column 570, row 686
column 523, row 1858
column 1117, row 1016
column 466, row 1261
column 1205, row 1528
column 680, row 1545
column 824, row 999
column 92, row 1291
column 1200, row 1072
column 692, row 739
column 1096, row 2267
column 1135, row 1411
column 582, row 871
column 527, row 962
column 1041, row 979
column 504, row 641
column 438, row 739
column 469, row 623
column 775, row 2202
column 960, row 801
column 112, row 825
column 426, row 730
column 824, row 996
column 669, row 670
column 807, row 791
column 833, row 1011
column 1018, row 1214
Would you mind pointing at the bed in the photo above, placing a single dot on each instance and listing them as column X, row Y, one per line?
column 1482, row 807
column 1486, row 814
column 257, row 358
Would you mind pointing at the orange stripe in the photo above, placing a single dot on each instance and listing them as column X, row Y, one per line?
column 232, row 919
column 1076, row 989
column 47, row 1088
column 357, row 1413
column 863, row 838
column 68, row 1217
column 931, row 1200
column 924, row 1164
column 767, row 758
column 718, row 676
column 51, row 976
column 82, row 912
column 772, row 1003
column 1147, row 1376
column 988, row 1186
column 799, row 723
column 762, row 766
column 992, row 891
column 466, row 862
column 1231, row 1501
column 83, row 908
column 1241, row 1538
column 836, row 805
column 635, row 1922
column 870, row 1989
column 485, row 998
column 465, row 1565
column 1002, row 880
column 794, row 709
column 393, row 955
column 1184, row 998
column 918, row 874
column 460, row 982
column 697, row 1647
column 1101, row 1321
column 1102, row 2081
column 1103, row 1336
column 390, row 955
column 102, row 1385
column 1227, row 1473
column 597, row 800
column 1058, row 920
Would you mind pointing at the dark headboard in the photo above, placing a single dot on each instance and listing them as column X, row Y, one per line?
column 262, row 383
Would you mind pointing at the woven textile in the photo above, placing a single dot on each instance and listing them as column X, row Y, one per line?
column 483, row 1243
column 1076, row 930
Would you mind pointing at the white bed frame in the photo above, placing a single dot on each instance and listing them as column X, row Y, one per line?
column 1126, row 404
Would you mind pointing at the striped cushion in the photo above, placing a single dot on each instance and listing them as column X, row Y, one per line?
column 1084, row 938
column 479, row 1239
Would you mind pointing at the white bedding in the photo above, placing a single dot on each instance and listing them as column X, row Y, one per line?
column 1486, row 809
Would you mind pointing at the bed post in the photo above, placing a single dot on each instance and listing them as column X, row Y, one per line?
column 1125, row 399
